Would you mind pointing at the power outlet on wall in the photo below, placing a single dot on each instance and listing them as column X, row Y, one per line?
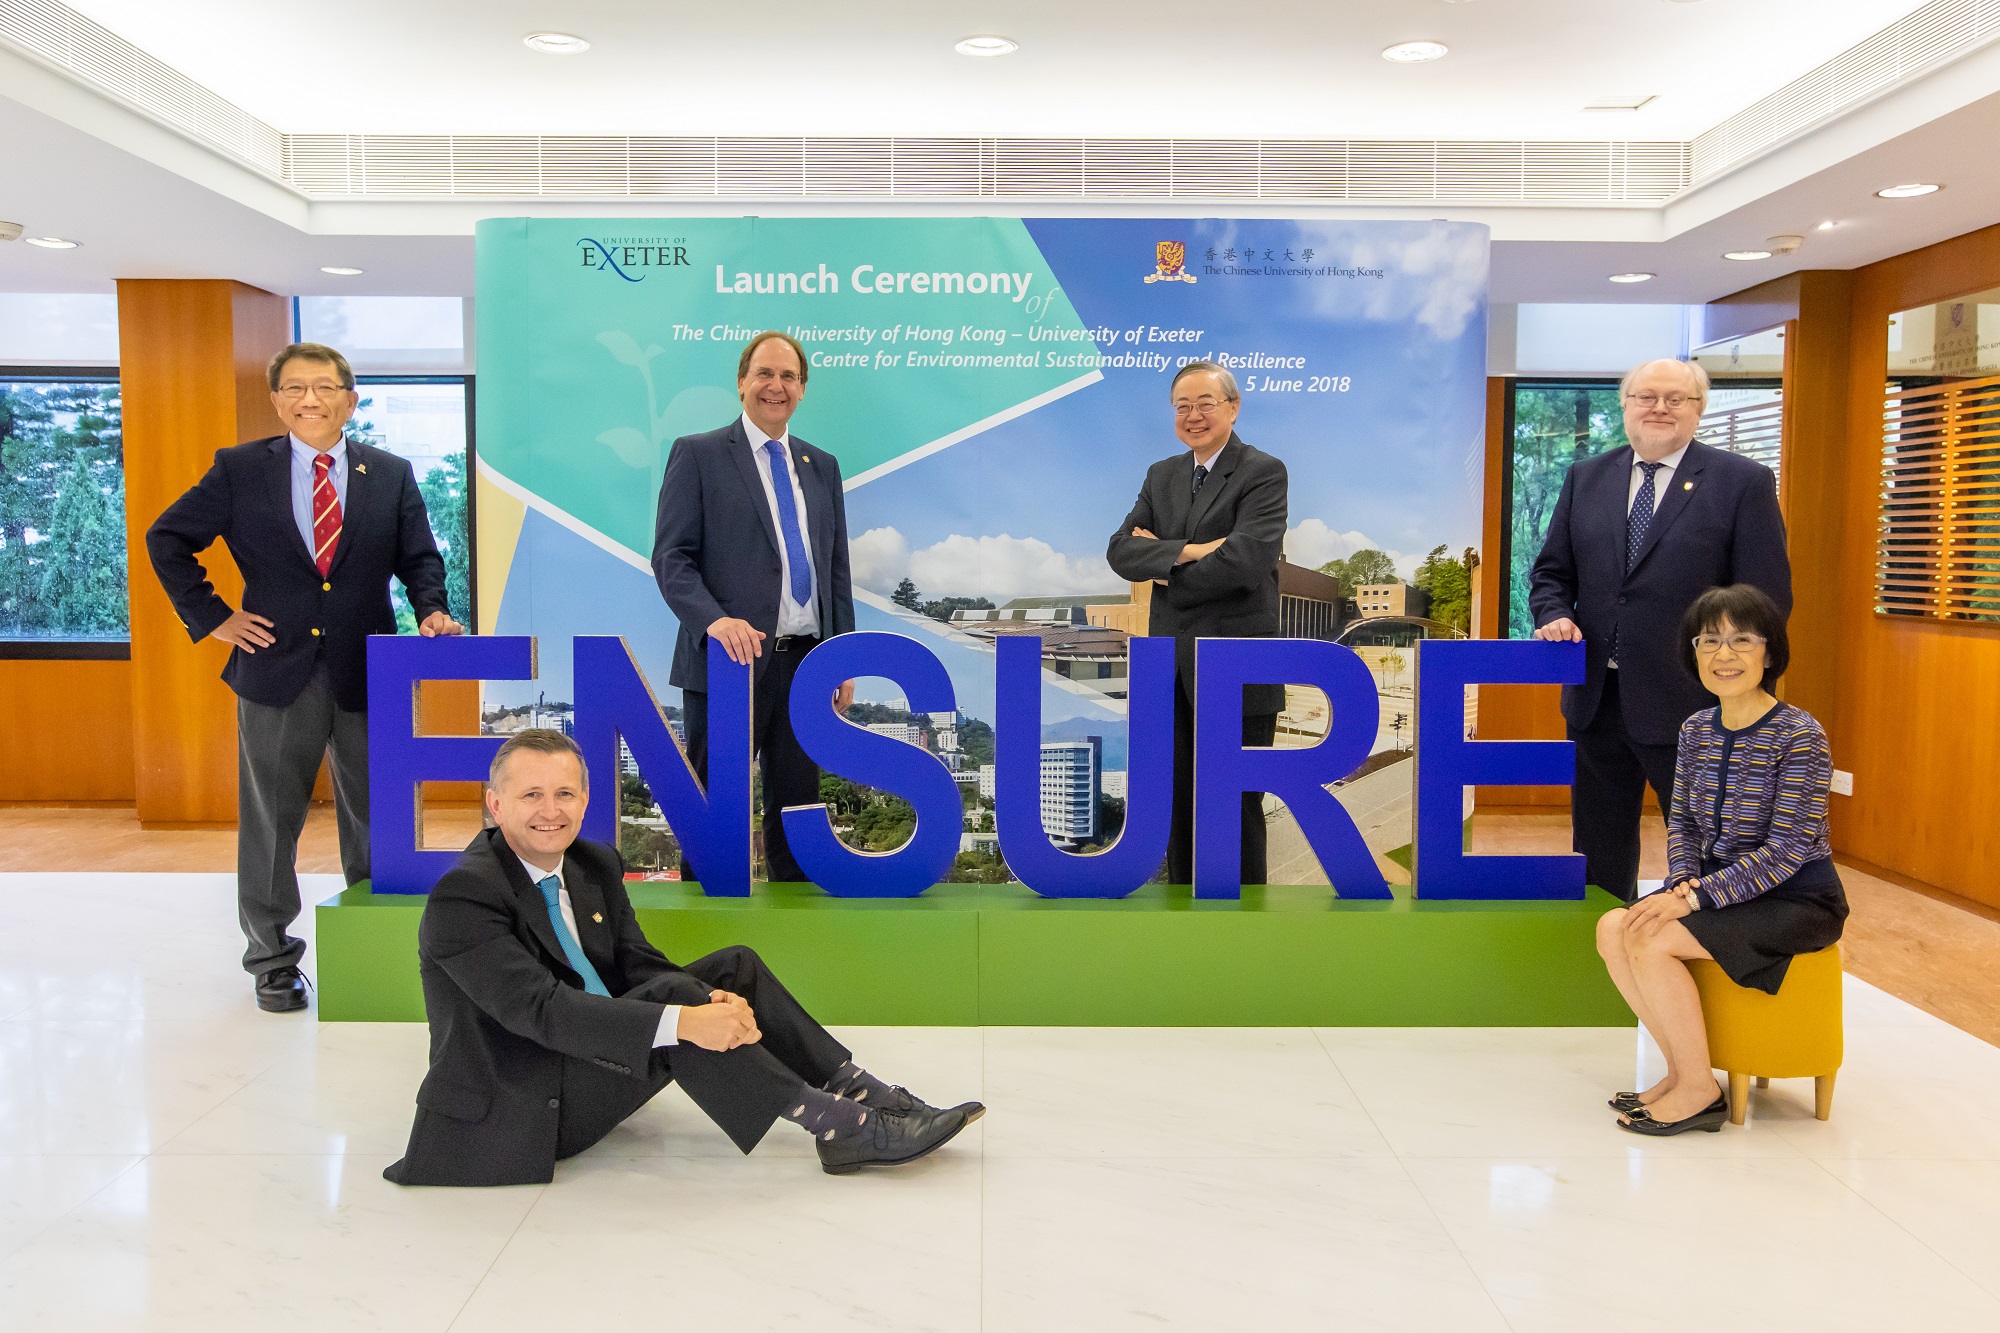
column 1843, row 783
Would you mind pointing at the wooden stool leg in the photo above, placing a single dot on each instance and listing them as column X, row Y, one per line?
column 1739, row 1096
column 1763, row 1082
column 1823, row 1096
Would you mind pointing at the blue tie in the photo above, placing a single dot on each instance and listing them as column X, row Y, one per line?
column 788, row 523
column 573, row 951
column 1640, row 516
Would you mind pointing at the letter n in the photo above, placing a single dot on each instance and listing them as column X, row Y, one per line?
column 613, row 700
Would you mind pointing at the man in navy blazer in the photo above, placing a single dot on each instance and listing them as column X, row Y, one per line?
column 750, row 548
column 318, row 524
column 1638, row 533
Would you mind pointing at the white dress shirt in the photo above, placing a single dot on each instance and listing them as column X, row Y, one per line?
column 792, row 618
column 302, row 484
column 669, row 1031
column 1661, row 479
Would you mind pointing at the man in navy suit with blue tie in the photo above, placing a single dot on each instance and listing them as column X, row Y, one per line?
column 750, row 549
column 1637, row 535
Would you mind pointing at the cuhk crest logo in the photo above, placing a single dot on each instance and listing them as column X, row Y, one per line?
column 1170, row 261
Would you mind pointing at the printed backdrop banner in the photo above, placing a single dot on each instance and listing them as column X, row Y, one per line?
column 994, row 389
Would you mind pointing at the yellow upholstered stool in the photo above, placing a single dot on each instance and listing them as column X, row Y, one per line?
column 1796, row 1033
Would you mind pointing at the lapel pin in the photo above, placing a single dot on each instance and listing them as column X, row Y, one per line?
column 362, row 468
column 598, row 917
column 1687, row 485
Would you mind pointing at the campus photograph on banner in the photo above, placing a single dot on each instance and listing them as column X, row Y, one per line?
column 994, row 390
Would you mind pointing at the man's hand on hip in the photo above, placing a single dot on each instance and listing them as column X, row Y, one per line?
column 1560, row 630
column 739, row 638
column 436, row 623
column 246, row 630
column 723, row 1024
column 843, row 698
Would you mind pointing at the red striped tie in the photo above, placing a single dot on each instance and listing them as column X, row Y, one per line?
column 326, row 514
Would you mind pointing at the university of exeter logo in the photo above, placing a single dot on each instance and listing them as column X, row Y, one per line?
column 1170, row 258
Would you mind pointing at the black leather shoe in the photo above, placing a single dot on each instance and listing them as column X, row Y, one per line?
column 1710, row 1119
column 900, row 1098
column 1627, row 1101
column 281, row 990
column 890, row 1138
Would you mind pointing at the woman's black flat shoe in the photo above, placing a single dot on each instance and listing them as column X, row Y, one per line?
column 1711, row 1119
column 1627, row 1101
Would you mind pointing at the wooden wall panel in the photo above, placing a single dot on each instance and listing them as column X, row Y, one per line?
column 191, row 363
column 67, row 735
column 1912, row 707
column 1916, row 705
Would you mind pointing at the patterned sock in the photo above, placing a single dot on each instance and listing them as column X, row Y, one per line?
column 857, row 1084
column 826, row 1116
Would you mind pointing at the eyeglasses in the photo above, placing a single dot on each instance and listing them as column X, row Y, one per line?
column 1672, row 401
column 298, row 391
column 1199, row 407
column 1707, row 644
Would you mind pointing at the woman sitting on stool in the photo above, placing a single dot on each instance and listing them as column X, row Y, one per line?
column 1750, row 879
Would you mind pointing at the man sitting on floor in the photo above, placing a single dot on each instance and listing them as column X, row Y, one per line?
column 553, row 1019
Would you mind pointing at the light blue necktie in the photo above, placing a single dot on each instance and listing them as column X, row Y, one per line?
column 788, row 523
column 573, row 951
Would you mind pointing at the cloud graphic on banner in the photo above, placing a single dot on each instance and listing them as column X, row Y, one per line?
column 1312, row 543
column 996, row 567
column 1435, row 276
column 878, row 559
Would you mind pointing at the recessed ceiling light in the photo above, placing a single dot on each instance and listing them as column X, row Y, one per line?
column 1746, row 255
column 338, row 271
column 52, row 243
column 1907, row 191
column 987, row 44
column 555, row 43
column 1629, row 102
column 1633, row 277
column 1414, row 53
column 1827, row 225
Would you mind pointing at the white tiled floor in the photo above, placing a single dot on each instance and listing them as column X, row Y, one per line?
column 171, row 1158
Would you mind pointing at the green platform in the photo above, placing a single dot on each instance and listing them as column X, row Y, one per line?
column 984, row 954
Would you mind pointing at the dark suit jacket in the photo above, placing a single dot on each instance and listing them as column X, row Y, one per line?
column 246, row 499
column 1231, row 593
column 1718, row 523
column 513, row 1032
column 715, row 543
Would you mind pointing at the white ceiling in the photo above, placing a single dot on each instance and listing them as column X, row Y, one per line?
column 148, row 203
column 1518, row 69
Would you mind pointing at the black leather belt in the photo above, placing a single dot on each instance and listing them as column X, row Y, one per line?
column 795, row 643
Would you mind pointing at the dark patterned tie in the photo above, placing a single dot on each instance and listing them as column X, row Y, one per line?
column 1637, row 519
column 1640, row 516
column 1200, row 475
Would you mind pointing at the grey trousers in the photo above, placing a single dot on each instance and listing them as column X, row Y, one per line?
column 277, row 758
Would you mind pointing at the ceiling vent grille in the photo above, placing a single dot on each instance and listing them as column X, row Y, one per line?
column 57, row 35
column 1080, row 170
column 1940, row 32
column 1113, row 170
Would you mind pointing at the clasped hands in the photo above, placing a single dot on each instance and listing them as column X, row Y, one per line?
column 249, row 631
column 1189, row 553
column 1655, row 910
column 723, row 1024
